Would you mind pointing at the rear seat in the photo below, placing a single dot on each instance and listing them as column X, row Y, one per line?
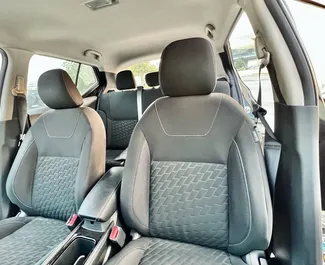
column 222, row 86
column 150, row 95
column 118, row 110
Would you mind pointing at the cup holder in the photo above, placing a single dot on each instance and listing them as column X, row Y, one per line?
column 76, row 252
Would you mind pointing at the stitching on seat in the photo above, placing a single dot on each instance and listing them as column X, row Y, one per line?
column 127, row 253
column 61, row 137
column 249, row 201
column 187, row 135
column 15, row 175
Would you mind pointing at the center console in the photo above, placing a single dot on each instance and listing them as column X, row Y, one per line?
column 88, row 243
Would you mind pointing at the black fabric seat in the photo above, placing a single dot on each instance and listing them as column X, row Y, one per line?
column 222, row 86
column 194, row 183
column 118, row 110
column 61, row 158
column 150, row 95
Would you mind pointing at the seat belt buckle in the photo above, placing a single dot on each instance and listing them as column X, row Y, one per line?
column 117, row 236
column 258, row 109
column 73, row 221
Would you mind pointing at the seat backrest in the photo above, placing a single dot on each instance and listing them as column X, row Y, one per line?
column 194, row 171
column 118, row 110
column 62, row 155
column 152, row 80
column 222, row 86
column 150, row 95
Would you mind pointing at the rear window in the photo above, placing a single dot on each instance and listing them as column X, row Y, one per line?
column 141, row 69
column 82, row 75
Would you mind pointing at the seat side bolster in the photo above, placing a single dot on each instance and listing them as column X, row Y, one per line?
column 135, row 184
column 132, row 253
column 21, row 176
column 92, row 157
column 260, row 227
column 10, row 225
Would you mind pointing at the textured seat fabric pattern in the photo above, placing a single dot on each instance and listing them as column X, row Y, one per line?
column 194, row 179
column 189, row 197
column 161, row 183
column 121, row 132
column 118, row 111
column 61, row 158
column 150, row 251
column 30, row 243
column 56, row 176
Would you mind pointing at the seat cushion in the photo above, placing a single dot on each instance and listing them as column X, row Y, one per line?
column 153, row 251
column 27, row 240
column 111, row 154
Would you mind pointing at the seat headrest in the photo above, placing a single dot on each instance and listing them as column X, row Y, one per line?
column 152, row 79
column 58, row 91
column 187, row 68
column 125, row 80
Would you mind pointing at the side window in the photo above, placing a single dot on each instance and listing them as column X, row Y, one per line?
column 141, row 69
column 40, row 64
column 87, row 79
column 242, row 48
column 307, row 24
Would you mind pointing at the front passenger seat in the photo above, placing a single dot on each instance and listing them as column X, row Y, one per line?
column 60, row 159
column 194, row 184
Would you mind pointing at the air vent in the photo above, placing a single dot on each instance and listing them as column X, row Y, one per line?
column 97, row 4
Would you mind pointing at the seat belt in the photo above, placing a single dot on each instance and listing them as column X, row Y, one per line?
column 19, row 92
column 139, row 101
column 272, row 147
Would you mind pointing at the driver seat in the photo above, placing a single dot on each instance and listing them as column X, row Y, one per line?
column 194, row 185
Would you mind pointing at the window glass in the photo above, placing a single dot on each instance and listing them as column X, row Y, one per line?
column 242, row 47
column 40, row 64
column 308, row 20
column 140, row 70
column 86, row 79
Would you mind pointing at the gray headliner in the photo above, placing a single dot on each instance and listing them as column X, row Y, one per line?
column 125, row 33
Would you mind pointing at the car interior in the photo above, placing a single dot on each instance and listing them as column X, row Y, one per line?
column 159, row 133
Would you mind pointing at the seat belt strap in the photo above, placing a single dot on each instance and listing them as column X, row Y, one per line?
column 272, row 147
column 139, row 102
column 19, row 92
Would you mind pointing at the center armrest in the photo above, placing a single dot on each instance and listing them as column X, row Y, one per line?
column 101, row 202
